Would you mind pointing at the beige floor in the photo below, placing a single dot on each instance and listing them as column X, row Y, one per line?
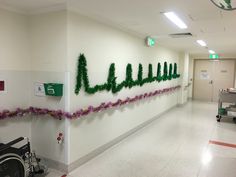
column 175, row 145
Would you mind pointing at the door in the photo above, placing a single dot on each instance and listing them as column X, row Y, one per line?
column 203, row 80
column 224, row 73
column 210, row 76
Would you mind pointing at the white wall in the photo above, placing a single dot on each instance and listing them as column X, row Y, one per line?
column 48, row 41
column 14, row 43
column 33, row 49
column 45, row 48
column 14, row 70
column 49, row 58
column 184, row 69
column 191, row 75
column 103, row 45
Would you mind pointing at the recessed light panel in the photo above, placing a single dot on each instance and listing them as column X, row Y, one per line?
column 211, row 51
column 175, row 19
column 201, row 43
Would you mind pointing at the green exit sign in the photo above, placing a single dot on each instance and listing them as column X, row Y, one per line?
column 150, row 42
column 214, row 56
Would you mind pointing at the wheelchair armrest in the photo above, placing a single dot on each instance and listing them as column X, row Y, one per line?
column 8, row 145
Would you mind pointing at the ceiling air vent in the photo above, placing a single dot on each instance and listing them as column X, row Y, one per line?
column 181, row 35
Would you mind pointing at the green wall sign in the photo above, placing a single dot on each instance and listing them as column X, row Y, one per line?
column 213, row 56
column 53, row 89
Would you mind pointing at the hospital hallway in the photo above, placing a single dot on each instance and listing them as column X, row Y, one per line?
column 187, row 141
column 117, row 88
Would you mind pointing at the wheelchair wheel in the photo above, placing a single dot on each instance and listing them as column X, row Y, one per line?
column 12, row 165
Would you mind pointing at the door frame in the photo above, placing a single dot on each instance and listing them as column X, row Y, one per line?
column 207, row 59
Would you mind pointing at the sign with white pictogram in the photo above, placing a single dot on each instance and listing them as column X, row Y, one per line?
column 39, row 89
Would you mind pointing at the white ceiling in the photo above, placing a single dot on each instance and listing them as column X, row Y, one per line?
column 204, row 20
column 32, row 6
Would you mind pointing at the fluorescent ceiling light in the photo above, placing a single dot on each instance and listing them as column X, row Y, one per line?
column 175, row 19
column 211, row 51
column 202, row 43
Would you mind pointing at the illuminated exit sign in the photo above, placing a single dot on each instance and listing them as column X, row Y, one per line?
column 213, row 56
column 150, row 42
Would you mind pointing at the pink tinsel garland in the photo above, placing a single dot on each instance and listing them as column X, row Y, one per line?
column 59, row 114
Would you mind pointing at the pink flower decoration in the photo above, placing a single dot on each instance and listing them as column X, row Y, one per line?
column 90, row 108
column 58, row 114
column 106, row 106
column 68, row 115
column 85, row 112
column 115, row 104
column 140, row 97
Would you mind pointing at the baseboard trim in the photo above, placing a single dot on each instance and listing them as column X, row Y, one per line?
column 183, row 104
column 106, row 146
column 54, row 164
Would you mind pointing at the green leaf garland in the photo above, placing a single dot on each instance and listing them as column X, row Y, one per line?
column 111, row 84
column 175, row 75
column 140, row 75
column 111, row 80
column 159, row 77
column 170, row 72
column 150, row 75
column 82, row 75
column 165, row 75
column 129, row 81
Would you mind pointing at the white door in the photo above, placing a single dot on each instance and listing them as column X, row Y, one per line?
column 210, row 76
column 224, row 73
column 203, row 80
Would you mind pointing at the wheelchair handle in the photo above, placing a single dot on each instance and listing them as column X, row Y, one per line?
column 6, row 146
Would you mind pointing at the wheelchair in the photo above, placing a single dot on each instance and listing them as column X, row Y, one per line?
column 19, row 162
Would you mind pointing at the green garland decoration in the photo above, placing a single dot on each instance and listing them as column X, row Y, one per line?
column 140, row 75
column 175, row 75
column 170, row 76
column 111, row 84
column 150, row 74
column 165, row 73
column 111, row 80
column 82, row 75
column 159, row 77
column 129, row 80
